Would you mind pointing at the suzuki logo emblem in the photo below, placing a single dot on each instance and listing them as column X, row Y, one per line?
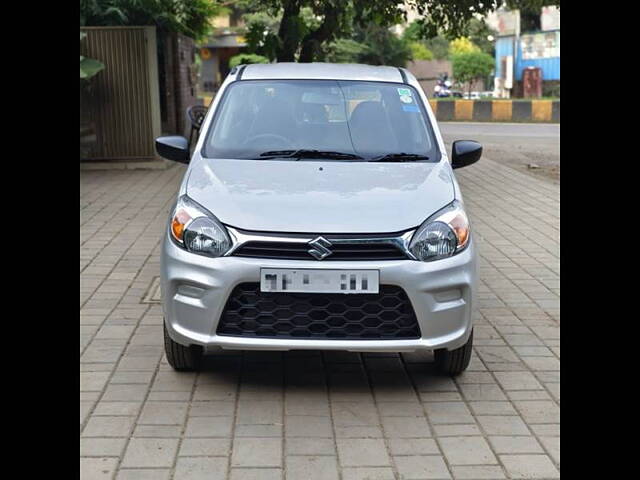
column 320, row 248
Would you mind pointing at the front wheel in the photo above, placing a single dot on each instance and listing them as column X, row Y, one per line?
column 181, row 358
column 454, row 362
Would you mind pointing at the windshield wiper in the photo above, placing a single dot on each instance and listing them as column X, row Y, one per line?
column 306, row 153
column 399, row 157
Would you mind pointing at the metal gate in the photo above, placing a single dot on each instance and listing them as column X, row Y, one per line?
column 121, row 105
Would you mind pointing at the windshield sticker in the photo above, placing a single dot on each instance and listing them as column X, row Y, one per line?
column 406, row 99
column 410, row 108
column 404, row 91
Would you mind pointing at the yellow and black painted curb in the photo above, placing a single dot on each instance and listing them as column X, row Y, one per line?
column 497, row 110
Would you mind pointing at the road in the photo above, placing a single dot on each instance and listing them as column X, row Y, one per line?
column 517, row 145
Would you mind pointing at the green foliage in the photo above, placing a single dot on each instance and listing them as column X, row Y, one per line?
column 345, row 50
column 189, row 17
column 308, row 30
column 88, row 66
column 461, row 45
column 373, row 45
column 470, row 66
column 439, row 46
column 478, row 32
column 262, row 34
column 420, row 52
column 412, row 33
column 246, row 58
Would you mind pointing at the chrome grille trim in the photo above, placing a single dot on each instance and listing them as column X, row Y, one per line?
column 399, row 240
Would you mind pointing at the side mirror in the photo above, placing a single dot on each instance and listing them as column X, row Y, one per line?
column 465, row 152
column 173, row 148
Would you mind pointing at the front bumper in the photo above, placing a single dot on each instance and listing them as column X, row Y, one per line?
column 195, row 290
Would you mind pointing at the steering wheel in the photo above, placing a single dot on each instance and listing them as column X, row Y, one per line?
column 279, row 140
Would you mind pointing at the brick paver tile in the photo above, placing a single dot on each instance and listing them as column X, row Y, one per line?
column 205, row 447
column 257, row 452
column 201, row 468
column 102, row 447
column 97, row 468
column 108, row 427
column 144, row 474
column 418, row 467
column 368, row 473
column 256, row 474
column 467, row 451
column 310, row 446
column 362, row 452
column 477, row 472
column 312, row 467
column 163, row 413
column 503, row 425
column 529, row 466
column 308, row 426
column 209, row 426
column 150, row 452
column 507, row 444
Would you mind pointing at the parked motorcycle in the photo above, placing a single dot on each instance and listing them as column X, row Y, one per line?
column 443, row 87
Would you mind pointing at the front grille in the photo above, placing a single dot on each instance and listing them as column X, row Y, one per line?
column 335, row 316
column 300, row 251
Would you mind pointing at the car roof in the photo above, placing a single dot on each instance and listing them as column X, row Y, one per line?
column 321, row 71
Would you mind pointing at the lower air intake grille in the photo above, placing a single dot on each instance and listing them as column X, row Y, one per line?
column 334, row 316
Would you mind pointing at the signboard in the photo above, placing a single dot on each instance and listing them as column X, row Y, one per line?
column 540, row 45
column 550, row 18
column 505, row 22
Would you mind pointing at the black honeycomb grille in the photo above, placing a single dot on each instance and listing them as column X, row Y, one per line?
column 385, row 315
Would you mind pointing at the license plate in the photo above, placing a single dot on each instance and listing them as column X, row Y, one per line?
column 319, row 281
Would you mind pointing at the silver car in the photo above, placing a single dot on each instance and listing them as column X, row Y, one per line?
column 319, row 211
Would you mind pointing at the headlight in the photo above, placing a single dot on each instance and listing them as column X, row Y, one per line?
column 442, row 235
column 196, row 230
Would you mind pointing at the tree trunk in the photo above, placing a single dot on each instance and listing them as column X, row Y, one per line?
column 289, row 31
column 313, row 41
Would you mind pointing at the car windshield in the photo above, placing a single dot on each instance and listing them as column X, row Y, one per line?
column 337, row 120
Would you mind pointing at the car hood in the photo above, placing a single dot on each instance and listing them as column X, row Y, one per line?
column 320, row 196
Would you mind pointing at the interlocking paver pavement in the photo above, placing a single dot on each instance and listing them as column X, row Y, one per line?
column 298, row 415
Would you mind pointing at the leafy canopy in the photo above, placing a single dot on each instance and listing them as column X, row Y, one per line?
column 246, row 58
column 469, row 66
column 189, row 17
column 461, row 45
column 420, row 52
column 313, row 30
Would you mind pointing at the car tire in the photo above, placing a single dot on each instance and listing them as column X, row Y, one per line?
column 181, row 358
column 454, row 362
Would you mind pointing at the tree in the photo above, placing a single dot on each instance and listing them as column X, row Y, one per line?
column 462, row 45
column 482, row 35
column 337, row 18
column 189, row 17
column 246, row 58
column 372, row 45
column 439, row 46
column 262, row 34
column 420, row 52
column 307, row 28
column 382, row 47
column 469, row 66
column 345, row 50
